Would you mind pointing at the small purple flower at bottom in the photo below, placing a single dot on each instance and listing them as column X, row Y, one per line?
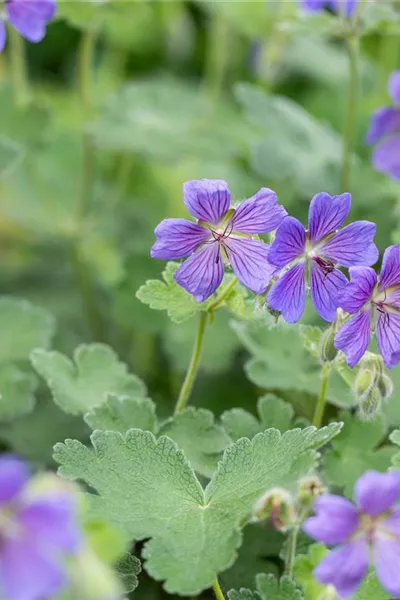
column 316, row 254
column 347, row 7
column 37, row 529
column 220, row 234
column 384, row 130
column 375, row 305
column 28, row 17
column 368, row 533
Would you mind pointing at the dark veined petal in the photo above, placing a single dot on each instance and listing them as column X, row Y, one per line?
column 325, row 289
column 387, row 564
column 345, row 567
column 177, row 238
column 359, row 291
column 289, row 242
column 353, row 338
column 327, row 213
column 388, row 336
column 288, row 295
column 25, row 574
column 30, row 17
column 376, row 493
column 259, row 214
column 207, row 199
column 202, row 272
column 386, row 157
column 390, row 270
column 352, row 246
column 3, row 35
column 14, row 473
column 384, row 121
column 336, row 520
column 394, row 87
column 249, row 260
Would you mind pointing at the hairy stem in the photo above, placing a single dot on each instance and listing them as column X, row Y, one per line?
column 223, row 295
column 18, row 67
column 320, row 407
column 352, row 45
column 291, row 550
column 193, row 366
column 217, row 591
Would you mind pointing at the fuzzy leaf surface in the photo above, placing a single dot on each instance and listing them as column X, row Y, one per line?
column 270, row 588
column 16, row 391
column 123, row 413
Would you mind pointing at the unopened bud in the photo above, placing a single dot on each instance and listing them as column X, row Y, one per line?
column 385, row 386
column 327, row 350
column 370, row 404
column 92, row 579
column 364, row 383
column 329, row 593
column 309, row 489
column 278, row 505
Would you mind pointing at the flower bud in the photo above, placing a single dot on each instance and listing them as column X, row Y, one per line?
column 278, row 505
column 309, row 489
column 364, row 383
column 370, row 404
column 327, row 350
column 385, row 386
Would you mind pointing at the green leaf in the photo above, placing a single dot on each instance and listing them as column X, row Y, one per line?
column 243, row 594
column 395, row 439
column 84, row 14
column 16, row 391
column 270, row 588
column 10, row 154
column 199, row 437
column 168, row 295
column 123, row 413
column 128, row 568
column 358, row 448
column 272, row 411
column 155, row 494
column 23, row 327
column 80, row 384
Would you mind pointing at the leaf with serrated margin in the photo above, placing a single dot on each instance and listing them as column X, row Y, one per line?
column 243, row 594
column 23, row 327
column 120, row 413
column 80, row 384
column 270, row 588
column 128, row 568
column 16, row 391
column 148, row 488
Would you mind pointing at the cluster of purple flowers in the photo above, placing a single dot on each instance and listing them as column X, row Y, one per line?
column 368, row 533
column 28, row 17
column 298, row 257
column 38, row 529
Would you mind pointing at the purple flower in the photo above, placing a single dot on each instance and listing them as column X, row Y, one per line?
column 384, row 130
column 368, row 532
column 375, row 306
column 346, row 6
column 29, row 17
column 36, row 530
column 220, row 234
column 317, row 253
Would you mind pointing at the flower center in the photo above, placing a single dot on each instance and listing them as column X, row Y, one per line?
column 326, row 265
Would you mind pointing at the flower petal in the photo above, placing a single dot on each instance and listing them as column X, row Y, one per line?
column 390, row 270
column 344, row 568
column 3, row 35
column 387, row 564
column 336, row 520
column 14, row 473
column 386, row 157
column 327, row 213
column 207, row 199
column 353, row 338
column 376, row 492
column 27, row 575
column 352, row 246
column 249, row 260
column 312, row 5
column 30, row 17
column 388, row 336
column 289, row 242
column 202, row 272
column 288, row 295
column 259, row 214
column 177, row 238
column 325, row 289
column 392, row 523
column 394, row 86
column 384, row 121
column 51, row 522
column 359, row 291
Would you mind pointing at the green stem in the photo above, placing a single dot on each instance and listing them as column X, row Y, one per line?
column 225, row 292
column 193, row 366
column 352, row 44
column 18, row 67
column 217, row 591
column 217, row 56
column 291, row 550
column 320, row 407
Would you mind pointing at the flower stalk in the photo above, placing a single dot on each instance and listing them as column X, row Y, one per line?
column 352, row 46
column 320, row 407
column 291, row 550
column 18, row 68
column 217, row 591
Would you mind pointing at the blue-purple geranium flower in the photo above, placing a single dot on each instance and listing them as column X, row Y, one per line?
column 37, row 529
column 29, row 17
column 347, row 7
column 384, row 130
column 368, row 533
column 375, row 305
column 315, row 255
column 220, row 235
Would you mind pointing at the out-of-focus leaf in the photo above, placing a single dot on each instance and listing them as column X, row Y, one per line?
column 270, row 588
column 10, row 154
column 16, row 391
column 84, row 14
